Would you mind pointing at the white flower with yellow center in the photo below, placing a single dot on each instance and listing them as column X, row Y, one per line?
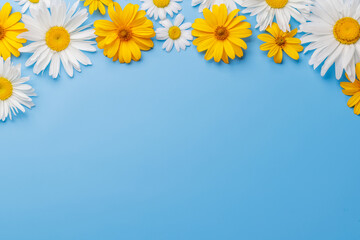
column 14, row 94
column 176, row 34
column 32, row 4
column 333, row 31
column 159, row 8
column 230, row 4
column 58, row 38
column 283, row 10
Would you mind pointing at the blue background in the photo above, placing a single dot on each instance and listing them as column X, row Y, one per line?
column 175, row 147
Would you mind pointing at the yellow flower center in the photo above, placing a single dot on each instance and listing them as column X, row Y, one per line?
column 125, row 34
column 347, row 30
column 277, row 3
column 174, row 32
column 34, row 1
column 280, row 41
column 57, row 39
column 161, row 3
column 221, row 33
column 6, row 89
column 2, row 32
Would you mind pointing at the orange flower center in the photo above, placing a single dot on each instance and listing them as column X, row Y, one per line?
column 125, row 34
column 221, row 33
column 280, row 41
column 2, row 32
column 347, row 31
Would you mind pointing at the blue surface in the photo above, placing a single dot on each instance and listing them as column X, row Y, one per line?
column 174, row 148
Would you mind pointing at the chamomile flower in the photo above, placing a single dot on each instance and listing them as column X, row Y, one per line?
column 97, row 4
column 58, row 38
column 176, row 34
column 32, row 4
column 278, row 41
column 221, row 34
column 333, row 31
column 283, row 10
column 159, row 8
column 14, row 94
column 230, row 4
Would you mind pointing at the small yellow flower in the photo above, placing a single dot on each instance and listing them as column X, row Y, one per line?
column 97, row 4
column 353, row 89
column 279, row 41
column 128, row 33
column 10, row 28
column 220, row 34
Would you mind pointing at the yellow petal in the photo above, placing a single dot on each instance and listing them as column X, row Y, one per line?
column 5, row 12
column 354, row 99
column 229, row 49
column 293, row 40
column 222, row 14
column 357, row 109
column 273, row 51
column 266, row 38
column 358, row 70
column 218, row 51
column 278, row 56
column 210, row 17
column 266, row 46
column 273, row 30
column 238, row 41
column 291, row 52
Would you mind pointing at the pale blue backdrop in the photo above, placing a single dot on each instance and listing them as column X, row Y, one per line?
column 176, row 148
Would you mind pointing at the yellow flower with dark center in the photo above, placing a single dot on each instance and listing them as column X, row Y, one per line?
column 128, row 33
column 280, row 41
column 10, row 28
column 220, row 34
column 353, row 89
column 97, row 4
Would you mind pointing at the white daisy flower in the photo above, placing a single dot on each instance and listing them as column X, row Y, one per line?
column 32, row 4
column 159, row 8
column 58, row 38
column 230, row 4
column 283, row 10
column 333, row 31
column 175, row 34
column 14, row 94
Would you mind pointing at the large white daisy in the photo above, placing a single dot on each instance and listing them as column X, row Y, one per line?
column 176, row 34
column 283, row 10
column 230, row 4
column 32, row 4
column 14, row 94
column 333, row 31
column 58, row 38
column 159, row 8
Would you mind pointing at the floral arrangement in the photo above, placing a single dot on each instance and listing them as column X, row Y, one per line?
column 55, row 35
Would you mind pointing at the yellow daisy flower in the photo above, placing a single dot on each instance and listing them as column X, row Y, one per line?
column 126, row 35
column 279, row 41
column 10, row 28
column 353, row 89
column 97, row 4
column 220, row 34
